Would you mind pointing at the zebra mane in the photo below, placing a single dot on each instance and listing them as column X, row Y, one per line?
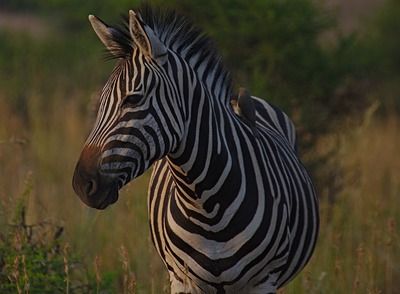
column 179, row 35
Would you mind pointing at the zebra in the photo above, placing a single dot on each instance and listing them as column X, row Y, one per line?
column 229, row 212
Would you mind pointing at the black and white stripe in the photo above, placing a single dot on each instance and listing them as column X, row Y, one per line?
column 229, row 212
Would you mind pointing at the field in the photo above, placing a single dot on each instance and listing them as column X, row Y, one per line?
column 44, row 119
column 359, row 244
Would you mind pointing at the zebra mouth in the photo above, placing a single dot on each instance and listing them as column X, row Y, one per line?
column 96, row 191
column 110, row 198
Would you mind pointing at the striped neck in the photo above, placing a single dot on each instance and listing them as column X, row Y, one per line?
column 204, row 148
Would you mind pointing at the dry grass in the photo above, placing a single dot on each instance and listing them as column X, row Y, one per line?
column 359, row 245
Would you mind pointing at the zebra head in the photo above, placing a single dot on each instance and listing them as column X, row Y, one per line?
column 137, row 122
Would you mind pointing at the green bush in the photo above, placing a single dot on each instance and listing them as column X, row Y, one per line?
column 380, row 52
column 34, row 259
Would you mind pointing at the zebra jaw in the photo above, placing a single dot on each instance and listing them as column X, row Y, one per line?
column 95, row 189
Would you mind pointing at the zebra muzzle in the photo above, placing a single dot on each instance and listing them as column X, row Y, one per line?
column 95, row 189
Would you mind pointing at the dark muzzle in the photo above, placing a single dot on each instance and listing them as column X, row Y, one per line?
column 95, row 189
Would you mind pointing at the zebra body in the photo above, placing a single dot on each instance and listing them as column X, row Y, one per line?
column 266, row 233
column 229, row 212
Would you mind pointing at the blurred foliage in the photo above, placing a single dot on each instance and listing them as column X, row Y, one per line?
column 382, row 35
column 381, row 53
column 31, row 66
column 275, row 48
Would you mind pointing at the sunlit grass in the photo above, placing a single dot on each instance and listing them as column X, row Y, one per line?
column 359, row 245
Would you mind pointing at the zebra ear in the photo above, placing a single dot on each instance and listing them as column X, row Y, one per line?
column 145, row 38
column 104, row 32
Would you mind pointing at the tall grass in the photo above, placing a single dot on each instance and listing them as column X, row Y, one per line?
column 359, row 245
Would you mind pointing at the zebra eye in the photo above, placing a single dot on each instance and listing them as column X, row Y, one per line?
column 131, row 100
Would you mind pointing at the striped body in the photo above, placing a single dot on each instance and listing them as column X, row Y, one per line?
column 248, row 225
column 230, row 212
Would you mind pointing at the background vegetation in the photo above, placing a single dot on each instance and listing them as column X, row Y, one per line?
column 341, row 85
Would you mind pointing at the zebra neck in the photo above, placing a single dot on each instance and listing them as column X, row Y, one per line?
column 205, row 167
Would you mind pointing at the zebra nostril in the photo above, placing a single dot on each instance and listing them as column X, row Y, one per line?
column 91, row 187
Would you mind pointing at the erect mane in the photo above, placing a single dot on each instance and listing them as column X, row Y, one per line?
column 181, row 36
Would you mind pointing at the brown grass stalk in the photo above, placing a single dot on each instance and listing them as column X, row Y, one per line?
column 26, row 277
column 66, row 267
column 129, row 279
column 97, row 264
